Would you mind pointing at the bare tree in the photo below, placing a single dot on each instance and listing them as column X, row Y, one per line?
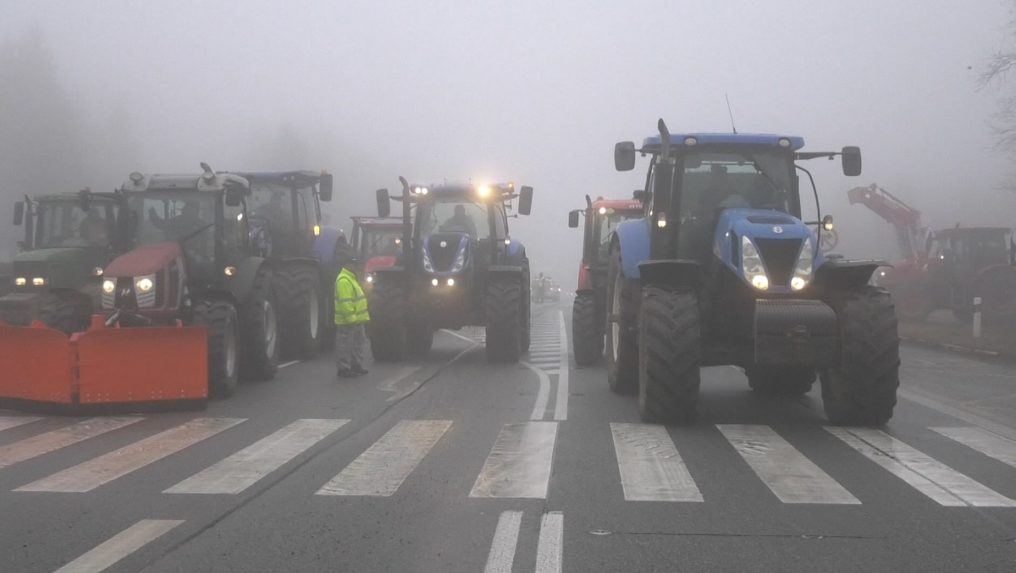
column 996, row 74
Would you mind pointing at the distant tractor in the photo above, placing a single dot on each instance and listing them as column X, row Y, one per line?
column 69, row 238
column 284, row 214
column 377, row 244
column 945, row 269
column 721, row 270
column 460, row 267
column 589, row 308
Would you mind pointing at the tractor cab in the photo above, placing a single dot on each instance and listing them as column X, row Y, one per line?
column 284, row 209
column 377, row 243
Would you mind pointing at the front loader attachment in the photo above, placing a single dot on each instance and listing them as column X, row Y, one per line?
column 103, row 365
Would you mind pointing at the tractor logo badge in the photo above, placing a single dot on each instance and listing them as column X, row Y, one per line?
column 778, row 230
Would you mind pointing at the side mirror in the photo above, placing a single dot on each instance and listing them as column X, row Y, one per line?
column 639, row 195
column 325, row 187
column 851, row 157
column 234, row 196
column 573, row 219
column 19, row 213
column 624, row 156
column 384, row 203
column 525, row 200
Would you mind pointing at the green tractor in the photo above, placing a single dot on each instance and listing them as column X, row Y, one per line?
column 69, row 239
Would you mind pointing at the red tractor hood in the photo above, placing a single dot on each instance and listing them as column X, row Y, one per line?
column 144, row 260
column 375, row 263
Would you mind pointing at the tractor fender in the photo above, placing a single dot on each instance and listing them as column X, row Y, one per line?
column 516, row 250
column 240, row 286
column 632, row 237
column 585, row 280
column 670, row 273
column 841, row 273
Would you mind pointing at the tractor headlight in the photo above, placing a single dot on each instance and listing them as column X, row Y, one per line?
column 804, row 267
column 97, row 272
column 370, row 278
column 108, row 286
column 460, row 259
column 144, row 284
column 751, row 265
column 38, row 281
column 20, row 281
column 427, row 264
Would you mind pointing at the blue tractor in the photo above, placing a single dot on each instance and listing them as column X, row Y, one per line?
column 722, row 270
column 458, row 267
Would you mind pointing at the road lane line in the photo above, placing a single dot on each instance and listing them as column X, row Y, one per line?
column 8, row 422
column 506, row 538
column 791, row 476
column 107, row 553
column 561, row 402
column 519, row 464
column 651, row 468
column 288, row 364
column 393, row 383
column 89, row 475
column 244, row 468
column 987, row 443
column 934, row 479
column 457, row 335
column 381, row 469
column 542, row 394
column 548, row 548
column 958, row 413
column 60, row 438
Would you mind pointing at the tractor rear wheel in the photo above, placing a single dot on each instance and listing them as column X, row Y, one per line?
column 861, row 389
column 527, row 304
column 669, row 355
column 587, row 329
column 780, row 380
column 386, row 330
column 219, row 317
column 300, row 313
column 504, row 320
column 259, row 356
column 419, row 339
column 621, row 330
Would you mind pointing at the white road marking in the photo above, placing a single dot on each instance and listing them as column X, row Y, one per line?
column 457, row 335
column 244, row 468
column 956, row 412
column 60, row 438
column 288, row 364
column 989, row 444
column 936, row 480
column 394, row 384
column 548, row 549
column 506, row 538
column 519, row 464
column 651, row 468
column 381, row 469
column 7, row 422
column 542, row 394
column 107, row 553
column 561, row 403
column 89, row 475
column 786, row 472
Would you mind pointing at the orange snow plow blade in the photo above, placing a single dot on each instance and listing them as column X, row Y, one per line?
column 36, row 364
column 103, row 365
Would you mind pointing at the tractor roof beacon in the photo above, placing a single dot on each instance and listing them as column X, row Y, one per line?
column 721, row 269
column 458, row 266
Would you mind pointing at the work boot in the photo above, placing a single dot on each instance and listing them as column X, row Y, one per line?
column 359, row 371
column 346, row 374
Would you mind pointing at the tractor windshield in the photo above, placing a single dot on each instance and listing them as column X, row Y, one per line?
column 380, row 242
column 606, row 224
column 66, row 224
column 188, row 218
column 453, row 216
column 714, row 181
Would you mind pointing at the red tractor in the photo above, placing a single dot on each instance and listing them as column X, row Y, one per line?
column 588, row 312
column 945, row 269
column 377, row 244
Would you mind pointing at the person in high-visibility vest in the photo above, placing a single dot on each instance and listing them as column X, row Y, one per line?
column 351, row 316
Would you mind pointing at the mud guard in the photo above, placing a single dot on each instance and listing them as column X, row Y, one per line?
column 241, row 285
column 670, row 273
column 839, row 273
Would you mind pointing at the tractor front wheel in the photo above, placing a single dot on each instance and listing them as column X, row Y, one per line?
column 587, row 329
column 503, row 312
column 622, row 344
column 219, row 317
column 299, row 310
column 419, row 339
column 386, row 330
column 669, row 355
column 259, row 357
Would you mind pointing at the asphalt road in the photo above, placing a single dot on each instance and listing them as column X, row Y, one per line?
column 451, row 464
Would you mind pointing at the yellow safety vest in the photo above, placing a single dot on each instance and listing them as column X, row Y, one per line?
column 350, row 302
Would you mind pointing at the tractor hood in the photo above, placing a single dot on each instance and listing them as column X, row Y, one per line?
column 446, row 253
column 778, row 238
column 380, row 262
column 145, row 260
column 61, row 267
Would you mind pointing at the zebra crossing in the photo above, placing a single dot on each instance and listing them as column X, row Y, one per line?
column 519, row 463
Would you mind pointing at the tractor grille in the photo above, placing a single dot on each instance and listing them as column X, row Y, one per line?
column 443, row 257
column 779, row 256
column 774, row 219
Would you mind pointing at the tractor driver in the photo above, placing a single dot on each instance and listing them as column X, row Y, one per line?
column 180, row 226
column 459, row 222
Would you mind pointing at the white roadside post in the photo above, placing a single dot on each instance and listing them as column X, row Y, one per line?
column 977, row 317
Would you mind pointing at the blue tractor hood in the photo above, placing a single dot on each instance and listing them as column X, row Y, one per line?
column 767, row 229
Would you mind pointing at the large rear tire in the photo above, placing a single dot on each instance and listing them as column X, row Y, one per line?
column 386, row 329
column 669, row 355
column 861, row 389
column 504, row 321
column 259, row 356
column 621, row 330
column 780, row 380
column 219, row 317
column 587, row 329
column 299, row 299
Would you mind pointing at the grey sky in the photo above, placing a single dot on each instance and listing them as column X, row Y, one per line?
column 538, row 92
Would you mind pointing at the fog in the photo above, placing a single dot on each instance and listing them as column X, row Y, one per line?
column 535, row 93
